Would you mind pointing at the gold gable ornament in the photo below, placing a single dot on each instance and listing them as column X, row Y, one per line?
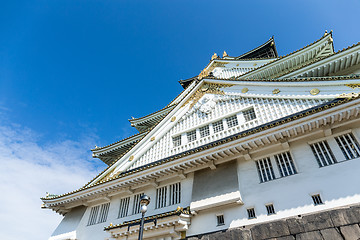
column 131, row 158
column 214, row 56
column 276, row 91
column 225, row 54
column 314, row 91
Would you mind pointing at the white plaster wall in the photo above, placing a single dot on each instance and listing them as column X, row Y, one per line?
column 337, row 184
column 97, row 232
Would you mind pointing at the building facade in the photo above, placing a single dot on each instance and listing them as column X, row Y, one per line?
column 252, row 139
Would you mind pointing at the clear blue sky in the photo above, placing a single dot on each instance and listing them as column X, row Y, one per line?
column 72, row 72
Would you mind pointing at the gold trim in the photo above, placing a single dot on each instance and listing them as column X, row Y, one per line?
column 131, row 158
column 353, row 86
column 152, row 138
column 173, row 119
column 314, row 91
column 349, row 95
column 276, row 91
column 244, row 90
column 212, row 88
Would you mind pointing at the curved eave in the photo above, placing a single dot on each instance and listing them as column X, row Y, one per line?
column 146, row 122
column 268, row 47
column 101, row 151
column 273, row 64
column 277, row 124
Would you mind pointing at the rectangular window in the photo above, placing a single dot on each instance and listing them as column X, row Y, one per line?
column 191, row 136
column 270, row 209
column 218, row 126
column 348, row 145
column 317, row 199
column 104, row 212
column 161, row 197
column 204, row 131
column 220, row 220
column 136, row 203
column 323, row 153
column 232, row 121
column 124, row 207
column 249, row 114
column 175, row 193
column 177, row 141
column 265, row 170
column 251, row 213
column 285, row 164
column 93, row 215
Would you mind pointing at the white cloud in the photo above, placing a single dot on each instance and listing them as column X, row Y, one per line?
column 27, row 170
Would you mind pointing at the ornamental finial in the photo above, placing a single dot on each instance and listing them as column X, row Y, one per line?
column 214, row 56
column 225, row 54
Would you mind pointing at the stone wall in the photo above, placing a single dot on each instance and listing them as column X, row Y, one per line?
column 338, row 224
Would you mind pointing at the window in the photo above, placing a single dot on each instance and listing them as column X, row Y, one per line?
column 177, row 141
column 265, row 170
column 175, row 193
column 136, row 203
column 249, row 115
column 323, row 153
column 218, row 126
column 104, row 212
column 191, row 136
column 232, row 121
column 270, row 209
column 220, row 220
column 251, row 213
column 204, row 131
column 161, row 197
column 317, row 199
column 124, row 207
column 285, row 164
column 95, row 217
column 348, row 145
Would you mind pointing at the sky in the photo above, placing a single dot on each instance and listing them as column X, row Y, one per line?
column 73, row 72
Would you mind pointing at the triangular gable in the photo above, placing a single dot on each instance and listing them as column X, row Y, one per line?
column 270, row 99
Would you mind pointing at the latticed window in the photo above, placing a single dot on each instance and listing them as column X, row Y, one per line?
column 93, row 215
column 232, row 121
column 177, row 141
column 104, row 212
column 270, row 209
column 218, row 126
column 220, row 220
column 323, row 153
column 191, row 136
column 285, row 164
column 161, row 197
column 265, row 170
column 251, row 213
column 136, row 203
column 124, row 207
column 249, row 114
column 348, row 145
column 98, row 214
column 175, row 193
column 317, row 199
column 204, row 131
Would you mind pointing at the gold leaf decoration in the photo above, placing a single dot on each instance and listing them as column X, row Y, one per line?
column 276, row 91
column 353, row 86
column 212, row 88
column 131, row 158
column 314, row 91
column 173, row 119
column 244, row 90
column 152, row 139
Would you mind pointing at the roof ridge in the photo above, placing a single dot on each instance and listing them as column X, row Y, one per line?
column 282, row 57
